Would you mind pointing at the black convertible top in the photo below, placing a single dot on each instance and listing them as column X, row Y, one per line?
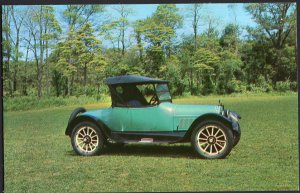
column 132, row 79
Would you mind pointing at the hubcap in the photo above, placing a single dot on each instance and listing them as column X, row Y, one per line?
column 86, row 139
column 211, row 139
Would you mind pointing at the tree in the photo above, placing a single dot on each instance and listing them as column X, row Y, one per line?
column 229, row 70
column 50, row 37
column 67, row 58
column 87, row 47
column 276, row 20
column 114, row 29
column 206, row 64
column 78, row 15
column 123, row 22
column 24, row 76
column 210, row 37
column 6, row 30
column 172, row 71
column 99, row 64
column 75, row 17
column 40, row 57
column 76, row 56
column 43, row 27
column 229, row 38
column 232, row 9
column 167, row 16
column 17, row 21
column 195, row 11
column 185, row 51
column 35, row 26
column 57, row 71
column 137, row 25
column 212, row 23
column 255, row 56
column 109, row 31
column 158, row 31
column 156, row 35
column 275, row 23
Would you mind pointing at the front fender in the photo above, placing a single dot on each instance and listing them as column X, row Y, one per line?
column 209, row 116
column 81, row 118
column 213, row 116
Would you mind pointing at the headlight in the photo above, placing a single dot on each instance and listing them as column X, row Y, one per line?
column 234, row 116
column 226, row 113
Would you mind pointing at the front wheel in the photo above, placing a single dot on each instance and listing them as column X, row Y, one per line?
column 212, row 140
column 87, row 139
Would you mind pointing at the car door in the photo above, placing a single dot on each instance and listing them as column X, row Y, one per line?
column 143, row 118
column 120, row 119
column 158, row 118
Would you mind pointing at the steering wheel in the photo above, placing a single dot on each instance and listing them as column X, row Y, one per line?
column 153, row 100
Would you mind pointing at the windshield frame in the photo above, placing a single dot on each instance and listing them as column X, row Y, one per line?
column 168, row 91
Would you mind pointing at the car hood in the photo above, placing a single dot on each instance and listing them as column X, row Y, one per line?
column 195, row 110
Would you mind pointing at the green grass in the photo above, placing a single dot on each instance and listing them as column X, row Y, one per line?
column 39, row 158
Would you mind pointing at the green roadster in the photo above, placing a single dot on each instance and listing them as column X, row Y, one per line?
column 142, row 112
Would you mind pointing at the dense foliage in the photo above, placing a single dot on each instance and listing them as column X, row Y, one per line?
column 70, row 58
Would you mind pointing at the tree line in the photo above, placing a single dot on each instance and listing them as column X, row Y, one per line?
column 69, row 57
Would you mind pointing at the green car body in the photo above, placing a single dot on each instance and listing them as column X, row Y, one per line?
column 163, row 122
column 165, row 117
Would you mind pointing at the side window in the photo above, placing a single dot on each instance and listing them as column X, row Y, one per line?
column 117, row 96
column 119, row 90
column 131, row 95
column 147, row 90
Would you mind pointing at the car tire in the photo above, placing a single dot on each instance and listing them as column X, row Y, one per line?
column 76, row 112
column 212, row 140
column 87, row 139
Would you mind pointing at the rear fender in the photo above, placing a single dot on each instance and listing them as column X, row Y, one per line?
column 81, row 118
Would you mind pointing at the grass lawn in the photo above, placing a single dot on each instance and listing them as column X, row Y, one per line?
column 39, row 157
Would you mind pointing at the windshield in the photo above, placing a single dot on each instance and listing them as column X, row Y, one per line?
column 163, row 93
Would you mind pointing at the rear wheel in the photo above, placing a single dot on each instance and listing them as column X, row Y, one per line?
column 212, row 140
column 87, row 139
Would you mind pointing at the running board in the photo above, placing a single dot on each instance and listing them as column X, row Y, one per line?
column 143, row 142
column 147, row 137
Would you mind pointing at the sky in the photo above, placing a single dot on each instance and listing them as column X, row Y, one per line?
column 220, row 11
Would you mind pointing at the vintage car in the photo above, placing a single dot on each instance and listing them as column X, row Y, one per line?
column 142, row 112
